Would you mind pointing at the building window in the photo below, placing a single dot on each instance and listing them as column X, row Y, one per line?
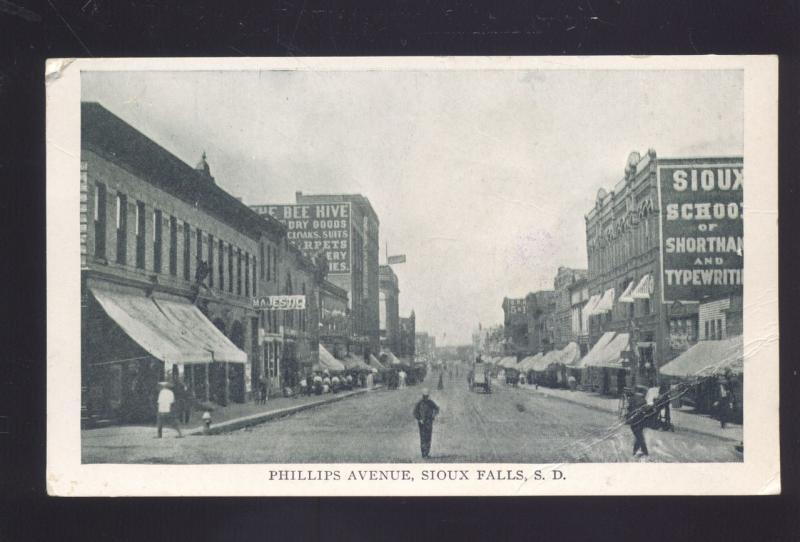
column 261, row 260
column 100, row 220
column 255, row 282
column 199, row 245
column 140, row 234
column 157, row 241
column 187, row 251
column 210, row 261
column 275, row 264
column 246, row 274
column 122, row 229
column 303, row 314
column 230, row 268
column 173, row 246
column 221, row 265
column 707, row 334
column 238, row 271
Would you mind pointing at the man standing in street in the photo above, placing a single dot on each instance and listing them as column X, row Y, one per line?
column 425, row 411
column 166, row 400
column 637, row 417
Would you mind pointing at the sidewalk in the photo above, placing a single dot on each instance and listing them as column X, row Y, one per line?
column 683, row 419
column 234, row 416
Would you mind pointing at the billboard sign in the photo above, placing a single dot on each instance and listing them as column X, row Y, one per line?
column 701, row 210
column 279, row 302
column 317, row 228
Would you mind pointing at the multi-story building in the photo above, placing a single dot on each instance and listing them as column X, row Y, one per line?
column 408, row 331
column 540, row 309
column 515, row 326
column 564, row 280
column 335, row 328
column 389, row 309
column 624, row 268
column 168, row 269
column 342, row 230
column 579, row 320
column 425, row 344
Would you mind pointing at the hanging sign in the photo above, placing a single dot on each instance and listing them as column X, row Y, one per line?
column 279, row 302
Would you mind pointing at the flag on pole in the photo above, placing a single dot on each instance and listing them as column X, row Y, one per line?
column 399, row 258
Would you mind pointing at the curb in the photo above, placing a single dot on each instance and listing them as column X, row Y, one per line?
column 601, row 409
column 261, row 417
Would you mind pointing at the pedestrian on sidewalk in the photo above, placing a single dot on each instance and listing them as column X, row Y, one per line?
column 637, row 418
column 725, row 402
column 262, row 390
column 166, row 402
column 440, row 385
column 425, row 411
column 183, row 403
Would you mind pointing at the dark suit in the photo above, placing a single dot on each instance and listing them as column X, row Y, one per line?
column 424, row 412
column 637, row 418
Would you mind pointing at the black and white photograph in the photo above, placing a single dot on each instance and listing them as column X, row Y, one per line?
column 417, row 274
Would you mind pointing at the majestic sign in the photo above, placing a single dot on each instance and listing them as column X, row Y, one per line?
column 279, row 302
column 701, row 208
column 317, row 228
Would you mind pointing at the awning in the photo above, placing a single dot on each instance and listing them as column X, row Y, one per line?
column 644, row 289
column 708, row 358
column 596, row 350
column 327, row 362
column 352, row 363
column 626, row 296
column 391, row 358
column 570, row 355
column 540, row 362
column 170, row 331
column 586, row 312
column 205, row 332
column 375, row 362
column 611, row 355
column 508, row 361
column 606, row 302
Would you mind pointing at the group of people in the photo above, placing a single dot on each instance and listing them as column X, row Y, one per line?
column 322, row 382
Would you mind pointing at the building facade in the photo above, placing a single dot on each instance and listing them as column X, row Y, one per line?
column 425, row 344
column 408, row 333
column 164, row 252
column 335, row 324
column 389, row 309
column 562, row 284
column 540, row 309
column 624, row 273
column 515, row 326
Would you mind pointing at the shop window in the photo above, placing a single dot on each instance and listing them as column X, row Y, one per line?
column 140, row 234
column 100, row 220
column 157, row 240
column 122, row 229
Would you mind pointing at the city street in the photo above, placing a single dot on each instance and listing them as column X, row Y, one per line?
column 510, row 425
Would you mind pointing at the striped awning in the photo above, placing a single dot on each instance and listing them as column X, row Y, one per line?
column 644, row 289
column 627, row 296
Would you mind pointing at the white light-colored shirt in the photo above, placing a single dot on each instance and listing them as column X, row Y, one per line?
column 165, row 400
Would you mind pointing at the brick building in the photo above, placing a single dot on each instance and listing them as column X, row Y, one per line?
column 562, row 284
column 623, row 247
column 540, row 308
column 515, row 326
column 389, row 309
column 408, row 334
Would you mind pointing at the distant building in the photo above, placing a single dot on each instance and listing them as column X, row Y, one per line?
column 564, row 280
column 408, row 331
column 389, row 309
column 540, row 315
column 515, row 326
column 335, row 324
column 425, row 344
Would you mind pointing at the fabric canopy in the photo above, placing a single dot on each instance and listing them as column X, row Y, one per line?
column 587, row 311
column 708, row 358
column 531, row 362
column 570, row 354
column 606, row 302
column 611, row 354
column 391, row 358
column 376, row 363
column 352, row 363
column 626, row 296
column 171, row 331
column 644, row 288
column 327, row 362
column 508, row 361
column 596, row 350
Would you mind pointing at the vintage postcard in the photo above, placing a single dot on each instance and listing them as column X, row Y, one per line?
column 412, row 276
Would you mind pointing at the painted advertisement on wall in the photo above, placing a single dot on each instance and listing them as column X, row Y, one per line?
column 317, row 228
column 701, row 208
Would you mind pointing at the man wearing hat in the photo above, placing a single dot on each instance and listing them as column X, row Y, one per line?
column 425, row 411
column 165, row 415
column 638, row 413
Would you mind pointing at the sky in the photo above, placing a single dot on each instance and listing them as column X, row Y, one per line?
column 481, row 178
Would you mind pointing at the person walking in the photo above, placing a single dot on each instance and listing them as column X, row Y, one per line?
column 183, row 403
column 166, row 401
column 440, row 385
column 425, row 411
column 637, row 418
column 725, row 399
